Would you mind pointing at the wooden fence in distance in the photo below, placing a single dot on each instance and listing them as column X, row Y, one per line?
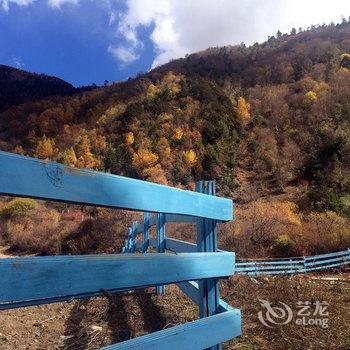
column 294, row 265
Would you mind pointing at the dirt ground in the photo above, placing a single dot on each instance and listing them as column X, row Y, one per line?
column 90, row 324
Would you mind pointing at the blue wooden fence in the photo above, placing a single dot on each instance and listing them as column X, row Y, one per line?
column 293, row 265
column 196, row 268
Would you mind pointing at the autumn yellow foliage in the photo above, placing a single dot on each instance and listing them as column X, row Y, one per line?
column 70, row 157
column 280, row 211
column 85, row 157
column 170, row 77
column 152, row 91
column 155, row 174
column 143, row 159
column 190, row 157
column 129, row 138
column 145, row 162
column 311, row 96
column 175, row 88
column 110, row 113
column 243, row 110
column 45, row 148
column 259, row 223
column 178, row 134
column 172, row 81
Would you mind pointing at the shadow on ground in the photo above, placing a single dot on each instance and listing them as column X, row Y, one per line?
column 122, row 316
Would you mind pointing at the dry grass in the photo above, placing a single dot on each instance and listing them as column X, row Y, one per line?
column 245, row 293
column 276, row 229
column 51, row 229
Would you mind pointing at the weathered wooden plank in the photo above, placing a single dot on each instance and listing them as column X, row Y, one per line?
column 191, row 290
column 271, row 267
column 178, row 246
column 33, row 278
column 29, row 177
column 145, row 232
column 325, row 267
column 267, row 263
column 160, row 244
column 207, row 242
column 296, row 265
column 174, row 245
column 181, row 218
column 209, row 296
column 258, row 273
column 21, row 304
column 325, row 262
column 329, row 255
column 134, row 236
column 197, row 335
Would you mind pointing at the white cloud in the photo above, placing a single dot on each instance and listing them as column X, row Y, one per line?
column 143, row 13
column 182, row 27
column 5, row 4
column 123, row 54
column 58, row 3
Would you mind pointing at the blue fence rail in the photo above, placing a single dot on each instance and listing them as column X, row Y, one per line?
column 196, row 268
column 293, row 265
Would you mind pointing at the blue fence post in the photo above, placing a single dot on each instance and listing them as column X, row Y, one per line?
column 304, row 264
column 290, row 266
column 124, row 248
column 256, row 268
column 134, row 236
column 160, row 243
column 201, row 248
column 128, row 242
column 145, row 232
column 208, row 302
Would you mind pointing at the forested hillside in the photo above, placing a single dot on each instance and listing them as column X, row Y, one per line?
column 270, row 120
column 18, row 86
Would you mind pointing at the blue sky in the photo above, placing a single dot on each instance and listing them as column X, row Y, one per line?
column 90, row 41
column 71, row 42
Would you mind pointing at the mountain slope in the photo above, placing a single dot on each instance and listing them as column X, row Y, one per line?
column 271, row 116
column 18, row 86
column 281, row 59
